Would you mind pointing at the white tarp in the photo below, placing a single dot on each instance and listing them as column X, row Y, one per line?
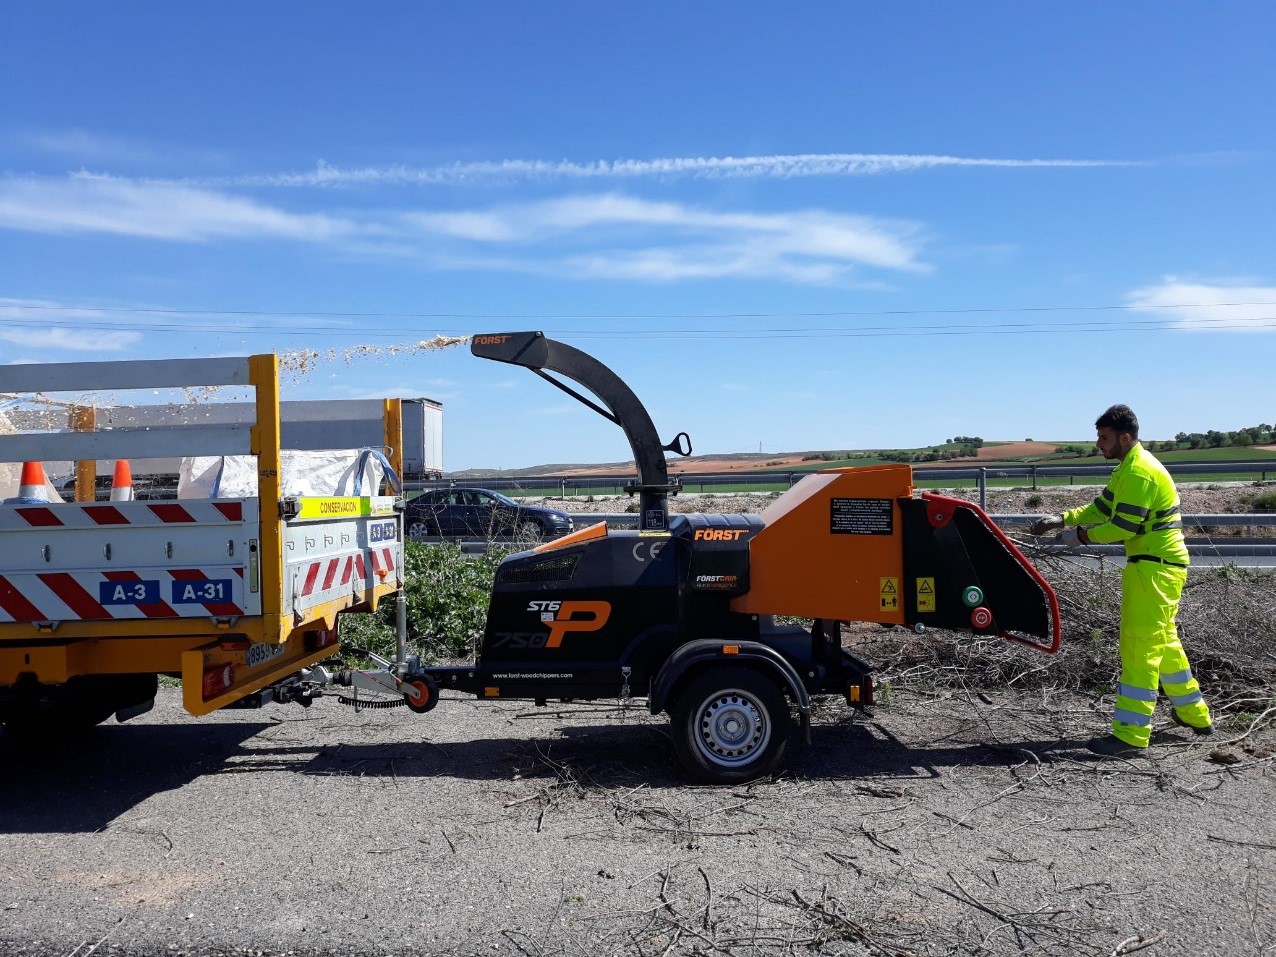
column 305, row 473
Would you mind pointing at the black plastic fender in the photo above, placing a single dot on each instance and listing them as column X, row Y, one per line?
column 698, row 652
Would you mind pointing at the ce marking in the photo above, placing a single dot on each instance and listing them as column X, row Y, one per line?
column 652, row 549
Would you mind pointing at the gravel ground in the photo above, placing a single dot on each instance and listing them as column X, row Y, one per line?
column 968, row 822
column 941, row 824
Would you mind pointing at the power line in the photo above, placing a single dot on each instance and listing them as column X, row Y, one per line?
column 797, row 332
column 308, row 314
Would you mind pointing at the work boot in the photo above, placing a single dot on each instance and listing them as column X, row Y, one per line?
column 1110, row 746
column 1207, row 729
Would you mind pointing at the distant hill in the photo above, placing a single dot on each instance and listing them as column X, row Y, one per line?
column 1025, row 452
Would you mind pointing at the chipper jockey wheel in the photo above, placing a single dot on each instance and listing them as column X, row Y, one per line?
column 429, row 694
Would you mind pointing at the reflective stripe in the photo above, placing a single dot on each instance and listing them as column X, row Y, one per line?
column 1125, row 523
column 1164, row 526
column 1102, row 506
column 1107, row 493
column 1183, row 700
column 1167, row 512
column 1130, row 717
column 1177, row 677
column 1134, row 510
column 1135, row 692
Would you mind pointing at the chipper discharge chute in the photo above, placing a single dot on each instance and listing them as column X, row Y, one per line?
column 683, row 609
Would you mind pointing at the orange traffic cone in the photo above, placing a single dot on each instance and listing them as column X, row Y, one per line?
column 122, row 482
column 32, row 487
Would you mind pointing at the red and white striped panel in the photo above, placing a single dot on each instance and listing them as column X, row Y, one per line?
column 382, row 562
column 315, row 579
column 102, row 515
column 76, row 596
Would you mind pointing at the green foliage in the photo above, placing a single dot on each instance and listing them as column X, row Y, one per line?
column 1263, row 502
column 1033, row 501
column 447, row 604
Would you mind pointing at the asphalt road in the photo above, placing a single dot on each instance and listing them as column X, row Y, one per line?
column 942, row 824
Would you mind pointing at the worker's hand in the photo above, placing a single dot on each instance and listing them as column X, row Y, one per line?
column 1073, row 537
column 1046, row 525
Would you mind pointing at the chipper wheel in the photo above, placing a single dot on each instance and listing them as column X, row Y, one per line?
column 730, row 724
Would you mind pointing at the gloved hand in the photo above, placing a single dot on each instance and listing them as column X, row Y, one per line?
column 1046, row 525
column 1073, row 537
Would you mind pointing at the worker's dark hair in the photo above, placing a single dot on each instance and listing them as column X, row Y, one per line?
column 1119, row 418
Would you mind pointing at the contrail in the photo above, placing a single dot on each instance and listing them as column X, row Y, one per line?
column 789, row 166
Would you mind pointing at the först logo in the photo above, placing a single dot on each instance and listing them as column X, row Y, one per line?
column 570, row 616
column 720, row 534
column 490, row 340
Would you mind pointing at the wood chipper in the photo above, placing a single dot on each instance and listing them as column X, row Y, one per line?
column 683, row 609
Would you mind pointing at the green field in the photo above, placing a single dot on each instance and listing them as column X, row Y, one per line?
column 1263, row 458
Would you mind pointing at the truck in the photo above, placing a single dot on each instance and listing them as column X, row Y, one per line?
column 410, row 430
column 238, row 597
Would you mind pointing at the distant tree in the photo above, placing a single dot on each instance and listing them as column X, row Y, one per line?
column 1242, row 439
column 1216, row 438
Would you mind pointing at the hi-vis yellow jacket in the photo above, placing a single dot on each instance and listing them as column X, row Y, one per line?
column 1140, row 507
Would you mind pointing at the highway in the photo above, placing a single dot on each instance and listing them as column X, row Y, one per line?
column 1237, row 552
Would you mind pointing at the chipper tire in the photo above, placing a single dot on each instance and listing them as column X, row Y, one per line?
column 730, row 724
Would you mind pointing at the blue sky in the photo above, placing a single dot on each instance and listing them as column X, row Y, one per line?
column 826, row 226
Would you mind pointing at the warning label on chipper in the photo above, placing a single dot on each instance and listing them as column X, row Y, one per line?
column 861, row 516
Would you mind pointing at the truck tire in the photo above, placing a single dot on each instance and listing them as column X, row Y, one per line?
column 730, row 724
column 68, row 711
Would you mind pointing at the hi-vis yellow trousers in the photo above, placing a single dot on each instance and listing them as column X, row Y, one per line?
column 1151, row 653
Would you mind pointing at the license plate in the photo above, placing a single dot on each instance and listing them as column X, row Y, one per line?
column 259, row 652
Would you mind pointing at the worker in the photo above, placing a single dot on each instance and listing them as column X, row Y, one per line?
column 1140, row 507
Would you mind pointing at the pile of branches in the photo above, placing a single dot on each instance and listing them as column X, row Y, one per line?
column 1227, row 623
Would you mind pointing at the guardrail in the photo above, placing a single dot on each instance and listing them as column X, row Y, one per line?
column 577, row 485
column 1201, row 520
column 1243, row 553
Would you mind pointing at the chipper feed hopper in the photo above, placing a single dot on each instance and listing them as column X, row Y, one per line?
column 683, row 609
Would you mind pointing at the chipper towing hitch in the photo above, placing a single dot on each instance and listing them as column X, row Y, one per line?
column 683, row 610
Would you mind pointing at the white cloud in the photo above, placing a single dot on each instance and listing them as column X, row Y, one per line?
column 156, row 210
column 782, row 166
column 85, row 146
column 607, row 235
column 75, row 340
column 1237, row 306
column 633, row 238
column 43, row 324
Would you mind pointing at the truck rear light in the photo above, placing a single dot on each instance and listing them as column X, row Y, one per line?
column 320, row 639
column 217, row 679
